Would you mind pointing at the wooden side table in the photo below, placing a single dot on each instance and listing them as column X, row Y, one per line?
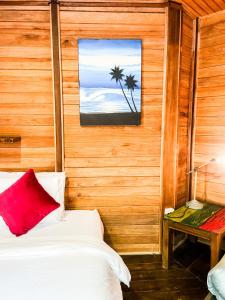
column 214, row 237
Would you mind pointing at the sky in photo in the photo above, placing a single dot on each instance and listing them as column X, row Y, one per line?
column 98, row 92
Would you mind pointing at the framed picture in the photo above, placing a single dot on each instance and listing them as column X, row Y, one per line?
column 110, row 81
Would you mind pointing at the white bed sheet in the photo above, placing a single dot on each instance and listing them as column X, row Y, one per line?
column 216, row 280
column 74, row 223
column 55, row 262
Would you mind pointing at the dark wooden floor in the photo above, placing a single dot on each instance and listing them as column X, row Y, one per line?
column 185, row 279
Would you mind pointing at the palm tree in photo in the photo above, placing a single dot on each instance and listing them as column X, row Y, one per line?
column 118, row 75
column 131, row 84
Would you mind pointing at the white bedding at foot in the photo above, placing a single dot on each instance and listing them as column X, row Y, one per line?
column 55, row 266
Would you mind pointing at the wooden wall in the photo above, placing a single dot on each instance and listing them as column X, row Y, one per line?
column 26, row 103
column 210, row 108
column 116, row 168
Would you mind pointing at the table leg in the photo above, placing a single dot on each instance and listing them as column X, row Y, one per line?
column 215, row 249
column 166, row 246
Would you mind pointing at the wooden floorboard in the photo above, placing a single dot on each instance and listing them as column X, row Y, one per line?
column 185, row 279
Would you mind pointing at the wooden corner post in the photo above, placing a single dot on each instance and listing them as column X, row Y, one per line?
column 171, row 102
column 192, row 105
column 57, row 84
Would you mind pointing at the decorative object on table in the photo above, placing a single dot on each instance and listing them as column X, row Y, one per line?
column 110, row 81
column 194, row 203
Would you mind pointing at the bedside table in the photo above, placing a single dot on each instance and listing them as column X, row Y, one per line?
column 207, row 223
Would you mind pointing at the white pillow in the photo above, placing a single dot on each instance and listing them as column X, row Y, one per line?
column 52, row 182
column 84, row 222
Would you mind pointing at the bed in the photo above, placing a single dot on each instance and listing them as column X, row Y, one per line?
column 216, row 280
column 60, row 259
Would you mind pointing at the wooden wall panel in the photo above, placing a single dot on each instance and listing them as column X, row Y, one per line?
column 210, row 112
column 26, row 103
column 186, row 72
column 116, row 169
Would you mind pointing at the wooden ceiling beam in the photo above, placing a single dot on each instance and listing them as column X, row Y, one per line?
column 24, row 3
column 116, row 3
column 193, row 7
column 121, row 1
column 87, row 3
column 153, row 3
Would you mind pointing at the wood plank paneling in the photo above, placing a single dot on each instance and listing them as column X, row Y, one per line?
column 210, row 113
column 150, row 281
column 26, row 107
column 116, row 169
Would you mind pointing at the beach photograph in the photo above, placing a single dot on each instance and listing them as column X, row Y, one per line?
column 110, row 81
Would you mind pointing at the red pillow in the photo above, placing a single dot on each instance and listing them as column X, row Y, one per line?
column 25, row 203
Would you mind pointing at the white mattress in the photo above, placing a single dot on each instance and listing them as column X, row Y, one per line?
column 67, row 260
column 216, row 280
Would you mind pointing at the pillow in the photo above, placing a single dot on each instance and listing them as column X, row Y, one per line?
column 25, row 203
column 52, row 182
column 84, row 223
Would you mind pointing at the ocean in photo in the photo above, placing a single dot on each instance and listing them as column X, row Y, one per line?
column 107, row 100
